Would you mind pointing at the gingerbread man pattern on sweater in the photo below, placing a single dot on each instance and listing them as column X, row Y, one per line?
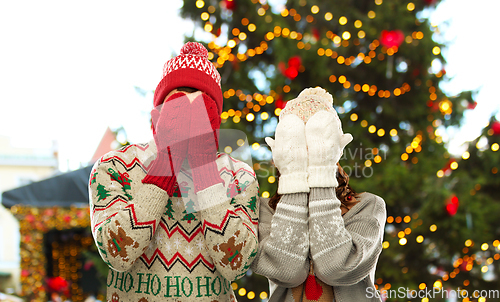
column 157, row 246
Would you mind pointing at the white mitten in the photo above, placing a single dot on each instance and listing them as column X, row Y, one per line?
column 325, row 144
column 290, row 155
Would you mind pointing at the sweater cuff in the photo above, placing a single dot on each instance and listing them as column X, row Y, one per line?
column 322, row 177
column 205, row 175
column 293, row 183
column 323, row 201
column 211, row 197
column 155, row 197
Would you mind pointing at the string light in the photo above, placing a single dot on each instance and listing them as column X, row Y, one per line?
column 33, row 223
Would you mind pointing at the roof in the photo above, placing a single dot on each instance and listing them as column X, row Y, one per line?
column 64, row 190
column 105, row 145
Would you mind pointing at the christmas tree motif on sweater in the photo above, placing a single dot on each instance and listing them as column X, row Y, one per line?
column 252, row 203
column 102, row 193
column 189, row 212
column 169, row 212
column 123, row 179
column 232, row 255
column 93, row 177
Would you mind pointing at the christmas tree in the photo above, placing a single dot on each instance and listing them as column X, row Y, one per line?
column 102, row 193
column 169, row 210
column 380, row 61
column 189, row 212
column 252, row 204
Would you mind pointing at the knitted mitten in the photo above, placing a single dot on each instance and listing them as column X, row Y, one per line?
column 325, row 145
column 171, row 130
column 290, row 155
column 203, row 142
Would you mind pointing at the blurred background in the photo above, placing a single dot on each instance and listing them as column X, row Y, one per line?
column 413, row 81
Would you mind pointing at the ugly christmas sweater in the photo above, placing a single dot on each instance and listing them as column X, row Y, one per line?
column 309, row 228
column 157, row 246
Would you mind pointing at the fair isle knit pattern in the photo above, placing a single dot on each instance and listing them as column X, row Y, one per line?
column 343, row 249
column 192, row 57
column 157, row 246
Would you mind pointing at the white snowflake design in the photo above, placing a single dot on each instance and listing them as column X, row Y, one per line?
column 177, row 243
column 168, row 246
column 189, row 250
column 200, row 244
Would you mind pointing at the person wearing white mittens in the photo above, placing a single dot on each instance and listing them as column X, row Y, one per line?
column 319, row 240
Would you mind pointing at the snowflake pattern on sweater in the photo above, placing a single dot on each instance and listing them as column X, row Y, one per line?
column 158, row 249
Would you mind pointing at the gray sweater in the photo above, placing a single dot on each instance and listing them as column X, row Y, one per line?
column 344, row 249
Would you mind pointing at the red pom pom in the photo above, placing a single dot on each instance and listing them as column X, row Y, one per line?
column 313, row 289
column 194, row 48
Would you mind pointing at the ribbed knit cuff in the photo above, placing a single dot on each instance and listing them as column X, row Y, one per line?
column 205, row 175
column 293, row 183
column 322, row 177
column 160, row 174
column 157, row 199
column 322, row 200
column 294, row 199
column 212, row 196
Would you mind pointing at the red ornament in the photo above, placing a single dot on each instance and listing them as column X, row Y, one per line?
column 472, row 105
column 292, row 70
column 315, row 33
column 30, row 218
column 452, row 205
column 216, row 31
column 312, row 288
column 230, row 4
column 295, row 62
column 280, row 103
column 291, row 73
column 430, row 2
column 447, row 167
column 496, row 128
column 57, row 284
column 235, row 64
column 391, row 38
column 88, row 265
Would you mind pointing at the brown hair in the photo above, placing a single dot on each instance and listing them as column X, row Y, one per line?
column 345, row 193
column 187, row 89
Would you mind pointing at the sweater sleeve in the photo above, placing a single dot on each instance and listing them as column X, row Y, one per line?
column 344, row 253
column 123, row 223
column 284, row 241
column 230, row 227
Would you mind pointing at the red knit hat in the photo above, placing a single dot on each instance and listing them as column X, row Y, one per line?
column 190, row 69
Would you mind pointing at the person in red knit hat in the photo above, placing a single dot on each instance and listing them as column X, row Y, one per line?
column 164, row 215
